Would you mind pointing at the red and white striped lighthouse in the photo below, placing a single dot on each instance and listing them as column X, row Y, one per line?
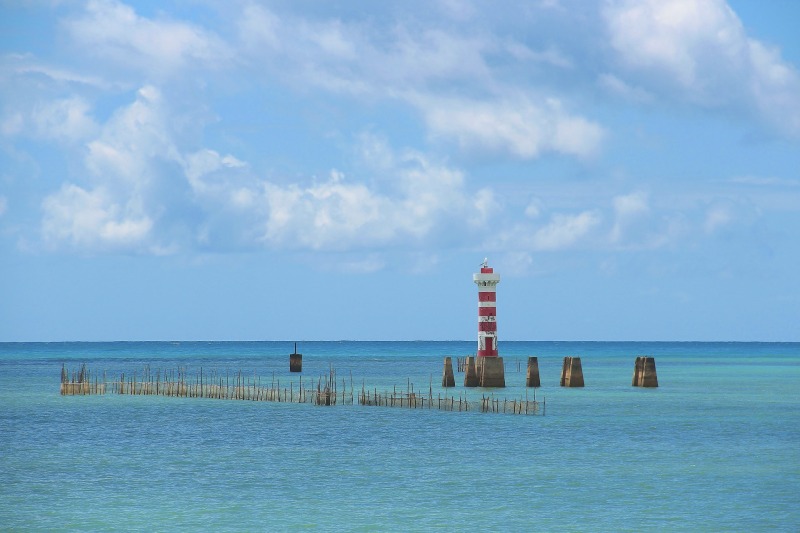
column 487, row 282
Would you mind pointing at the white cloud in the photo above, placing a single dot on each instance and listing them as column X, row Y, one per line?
column 675, row 35
column 699, row 50
column 26, row 65
column 150, row 182
column 134, row 138
column 120, row 209
column 338, row 215
column 563, row 231
column 146, row 194
column 59, row 119
column 113, row 30
column 425, row 68
column 66, row 119
column 515, row 126
column 329, row 215
column 259, row 27
column 92, row 219
column 628, row 210
column 200, row 168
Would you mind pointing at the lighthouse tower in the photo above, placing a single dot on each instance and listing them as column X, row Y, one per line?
column 490, row 368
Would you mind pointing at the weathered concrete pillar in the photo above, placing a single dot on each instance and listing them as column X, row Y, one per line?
column 491, row 372
column 532, row 377
column 572, row 372
column 295, row 361
column 644, row 372
column 448, row 379
column 649, row 377
column 637, row 372
column 470, row 373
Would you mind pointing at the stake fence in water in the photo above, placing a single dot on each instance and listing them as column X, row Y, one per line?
column 228, row 386
column 240, row 386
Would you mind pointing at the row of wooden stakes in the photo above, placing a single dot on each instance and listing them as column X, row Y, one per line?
column 644, row 372
column 178, row 383
column 487, row 404
column 239, row 386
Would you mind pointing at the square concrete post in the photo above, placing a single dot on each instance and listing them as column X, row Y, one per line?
column 448, row 379
column 532, row 376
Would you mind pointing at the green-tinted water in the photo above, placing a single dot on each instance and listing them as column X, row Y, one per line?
column 715, row 447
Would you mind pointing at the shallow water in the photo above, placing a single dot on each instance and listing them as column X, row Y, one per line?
column 715, row 447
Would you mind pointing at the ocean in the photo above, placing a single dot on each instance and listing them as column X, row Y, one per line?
column 716, row 447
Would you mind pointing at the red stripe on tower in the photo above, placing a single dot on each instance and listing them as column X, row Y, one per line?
column 487, row 282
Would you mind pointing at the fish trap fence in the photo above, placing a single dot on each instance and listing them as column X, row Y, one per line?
column 487, row 404
column 178, row 383
column 329, row 391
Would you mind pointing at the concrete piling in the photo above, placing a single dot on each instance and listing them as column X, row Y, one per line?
column 491, row 372
column 470, row 373
column 532, row 376
column 644, row 372
column 448, row 379
column 295, row 361
column 572, row 372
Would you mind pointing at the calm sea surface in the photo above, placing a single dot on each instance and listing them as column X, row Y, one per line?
column 715, row 448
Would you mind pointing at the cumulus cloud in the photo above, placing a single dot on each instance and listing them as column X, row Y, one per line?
column 92, row 219
column 141, row 188
column 134, row 139
column 338, row 215
column 615, row 222
column 699, row 50
column 154, row 179
column 116, row 209
column 327, row 215
column 200, row 166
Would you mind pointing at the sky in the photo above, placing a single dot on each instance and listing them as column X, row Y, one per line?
column 303, row 170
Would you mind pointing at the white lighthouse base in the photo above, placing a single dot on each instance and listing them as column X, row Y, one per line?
column 491, row 372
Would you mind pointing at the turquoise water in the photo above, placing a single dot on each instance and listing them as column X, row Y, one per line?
column 715, row 447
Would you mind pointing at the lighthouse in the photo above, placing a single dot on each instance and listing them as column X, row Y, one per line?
column 489, row 366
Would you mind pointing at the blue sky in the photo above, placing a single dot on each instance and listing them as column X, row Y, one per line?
column 195, row 169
